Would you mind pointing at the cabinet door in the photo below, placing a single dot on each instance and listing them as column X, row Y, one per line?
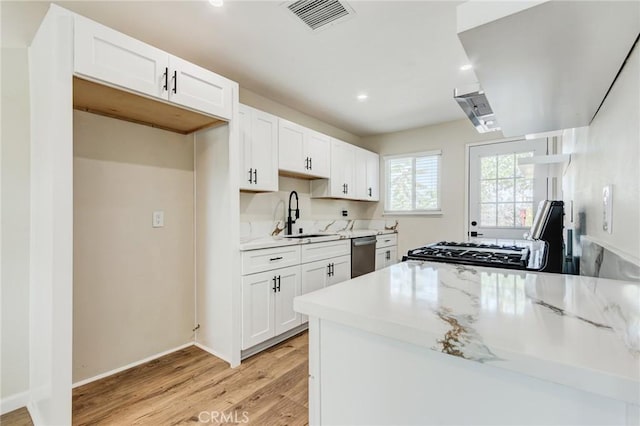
column 246, row 167
column 288, row 287
column 318, row 149
column 107, row 55
column 291, row 156
column 314, row 276
column 341, row 269
column 373, row 176
column 381, row 258
column 199, row 88
column 392, row 258
column 258, row 298
column 264, row 150
column 342, row 162
column 360, row 174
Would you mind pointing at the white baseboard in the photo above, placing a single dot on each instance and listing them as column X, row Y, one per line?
column 14, row 402
column 212, row 352
column 133, row 364
column 35, row 414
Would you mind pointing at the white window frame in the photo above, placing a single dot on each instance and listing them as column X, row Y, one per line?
column 387, row 192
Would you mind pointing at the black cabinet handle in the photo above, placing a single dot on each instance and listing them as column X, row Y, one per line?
column 274, row 284
column 388, row 255
column 344, row 188
column 347, row 186
column 275, row 258
column 166, row 78
column 310, row 163
column 278, row 283
column 255, row 176
column 306, row 163
column 369, row 191
column 333, row 269
column 250, row 175
column 329, row 270
column 175, row 81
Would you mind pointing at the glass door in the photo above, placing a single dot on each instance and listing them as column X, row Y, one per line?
column 502, row 197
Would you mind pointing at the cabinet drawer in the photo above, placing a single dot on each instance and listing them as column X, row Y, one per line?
column 264, row 260
column 386, row 240
column 319, row 251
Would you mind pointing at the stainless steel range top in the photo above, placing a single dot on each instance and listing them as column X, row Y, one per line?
column 479, row 254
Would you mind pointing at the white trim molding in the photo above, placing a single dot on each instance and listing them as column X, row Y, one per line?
column 128, row 366
column 13, row 402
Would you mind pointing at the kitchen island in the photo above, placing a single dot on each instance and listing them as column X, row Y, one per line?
column 432, row 343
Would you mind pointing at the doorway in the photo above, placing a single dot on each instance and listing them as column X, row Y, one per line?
column 503, row 197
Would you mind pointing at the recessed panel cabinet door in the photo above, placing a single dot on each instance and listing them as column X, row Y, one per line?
column 288, row 287
column 373, row 176
column 199, row 88
column 314, row 277
column 258, row 301
column 264, row 150
column 291, row 147
column 107, row 55
column 246, row 168
column 381, row 258
column 318, row 150
column 340, row 270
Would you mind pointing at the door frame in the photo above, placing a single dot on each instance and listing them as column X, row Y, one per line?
column 467, row 159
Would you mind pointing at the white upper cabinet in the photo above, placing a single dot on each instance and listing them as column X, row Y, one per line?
column 302, row 151
column 354, row 174
column 366, row 175
column 105, row 55
column 343, row 162
column 199, row 88
column 258, row 150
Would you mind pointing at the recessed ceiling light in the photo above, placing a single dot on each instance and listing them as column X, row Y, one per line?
column 363, row 97
column 216, row 3
column 466, row 67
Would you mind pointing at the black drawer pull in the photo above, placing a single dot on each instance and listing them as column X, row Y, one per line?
column 275, row 258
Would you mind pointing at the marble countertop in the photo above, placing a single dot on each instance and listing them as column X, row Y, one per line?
column 578, row 331
column 280, row 241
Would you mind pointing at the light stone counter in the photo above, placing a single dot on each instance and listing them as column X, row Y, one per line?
column 574, row 331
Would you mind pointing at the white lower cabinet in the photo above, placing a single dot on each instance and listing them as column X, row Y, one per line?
column 267, row 304
column 386, row 250
column 322, row 273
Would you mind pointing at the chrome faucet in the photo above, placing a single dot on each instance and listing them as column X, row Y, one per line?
column 290, row 220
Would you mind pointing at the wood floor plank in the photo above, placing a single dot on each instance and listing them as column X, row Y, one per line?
column 19, row 417
column 270, row 386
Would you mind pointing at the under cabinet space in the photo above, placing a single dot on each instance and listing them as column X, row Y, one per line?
column 111, row 102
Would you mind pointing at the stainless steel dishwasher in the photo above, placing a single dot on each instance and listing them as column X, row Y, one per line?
column 363, row 255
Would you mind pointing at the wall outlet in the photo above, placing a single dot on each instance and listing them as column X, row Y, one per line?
column 607, row 209
column 157, row 220
column 345, row 213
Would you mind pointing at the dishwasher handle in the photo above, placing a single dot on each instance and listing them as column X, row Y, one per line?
column 363, row 241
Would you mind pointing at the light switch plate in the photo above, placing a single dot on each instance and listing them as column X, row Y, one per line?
column 607, row 209
column 158, row 219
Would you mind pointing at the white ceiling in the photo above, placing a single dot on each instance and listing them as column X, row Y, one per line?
column 404, row 55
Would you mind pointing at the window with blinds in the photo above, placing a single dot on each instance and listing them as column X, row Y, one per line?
column 413, row 183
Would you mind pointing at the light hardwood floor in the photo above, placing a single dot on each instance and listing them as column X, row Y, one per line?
column 192, row 386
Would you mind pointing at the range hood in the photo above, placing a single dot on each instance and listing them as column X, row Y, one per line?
column 475, row 105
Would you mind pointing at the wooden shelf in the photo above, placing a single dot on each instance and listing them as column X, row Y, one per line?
column 105, row 100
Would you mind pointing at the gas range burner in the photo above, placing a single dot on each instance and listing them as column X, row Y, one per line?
column 511, row 257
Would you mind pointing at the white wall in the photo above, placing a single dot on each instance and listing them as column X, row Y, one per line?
column 608, row 152
column 133, row 284
column 451, row 138
column 14, row 345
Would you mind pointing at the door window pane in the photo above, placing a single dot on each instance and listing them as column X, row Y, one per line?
column 488, row 191
column 524, row 189
column 488, row 215
column 488, row 167
column 505, row 190
column 506, row 215
column 506, row 166
column 524, row 214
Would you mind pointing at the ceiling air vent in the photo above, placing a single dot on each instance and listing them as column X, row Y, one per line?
column 317, row 14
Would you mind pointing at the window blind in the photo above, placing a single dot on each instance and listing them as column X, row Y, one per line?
column 413, row 183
